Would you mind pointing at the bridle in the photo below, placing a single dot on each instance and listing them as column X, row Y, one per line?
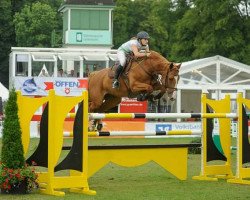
column 152, row 76
column 167, row 81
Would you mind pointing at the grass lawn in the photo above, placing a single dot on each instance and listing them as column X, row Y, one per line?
column 147, row 182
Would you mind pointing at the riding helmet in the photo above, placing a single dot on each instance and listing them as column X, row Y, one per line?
column 142, row 35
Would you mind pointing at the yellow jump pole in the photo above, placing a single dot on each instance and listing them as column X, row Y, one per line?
column 27, row 106
column 210, row 152
column 243, row 146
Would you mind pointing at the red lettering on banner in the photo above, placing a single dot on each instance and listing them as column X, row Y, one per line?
column 49, row 85
column 83, row 83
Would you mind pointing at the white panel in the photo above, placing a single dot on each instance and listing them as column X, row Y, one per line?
column 43, row 57
column 93, row 57
column 22, row 57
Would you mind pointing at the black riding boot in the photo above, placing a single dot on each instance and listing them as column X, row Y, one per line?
column 118, row 71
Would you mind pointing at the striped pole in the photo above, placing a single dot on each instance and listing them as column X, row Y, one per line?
column 139, row 133
column 171, row 136
column 155, row 115
column 160, row 115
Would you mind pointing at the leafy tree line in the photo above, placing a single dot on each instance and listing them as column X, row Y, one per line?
column 181, row 30
column 26, row 23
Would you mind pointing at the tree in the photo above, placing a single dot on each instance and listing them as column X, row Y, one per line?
column 159, row 18
column 120, row 34
column 7, row 38
column 210, row 28
column 163, row 17
column 243, row 8
column 12, row 149
column 34, row 25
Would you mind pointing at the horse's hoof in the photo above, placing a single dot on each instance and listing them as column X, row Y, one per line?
column 99, row 127
column 139, row 98
column 142, row 97
column 91, row 128
column 155, row 99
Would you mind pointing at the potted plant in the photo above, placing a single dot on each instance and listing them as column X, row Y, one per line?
column 16, row 177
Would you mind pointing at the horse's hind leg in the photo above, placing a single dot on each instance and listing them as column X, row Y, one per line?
column 97, row 125
column 109, row 103
column 95, row 100
column 95, row 103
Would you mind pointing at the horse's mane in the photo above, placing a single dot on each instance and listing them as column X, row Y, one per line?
column 155, row 53
column 159, row 57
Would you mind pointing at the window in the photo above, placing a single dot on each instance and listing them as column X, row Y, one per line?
column 89, row 19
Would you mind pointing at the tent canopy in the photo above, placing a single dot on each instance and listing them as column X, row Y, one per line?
column 4, row 92
column 214, row 72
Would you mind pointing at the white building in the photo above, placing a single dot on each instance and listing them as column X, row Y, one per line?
column 216, row 76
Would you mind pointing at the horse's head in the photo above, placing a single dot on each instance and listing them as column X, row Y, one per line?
column 169, row 72
column 171, row 81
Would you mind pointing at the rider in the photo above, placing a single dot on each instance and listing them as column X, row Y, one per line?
column 134, row 45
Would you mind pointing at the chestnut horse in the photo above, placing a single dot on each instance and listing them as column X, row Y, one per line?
column 153, row 73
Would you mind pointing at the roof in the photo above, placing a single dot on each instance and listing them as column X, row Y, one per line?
column 216, row 71
column 67, row 4
column 90, row 2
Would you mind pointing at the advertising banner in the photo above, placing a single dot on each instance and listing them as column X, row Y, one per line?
column 168, row 126
column 133, row 106
column 40, row 86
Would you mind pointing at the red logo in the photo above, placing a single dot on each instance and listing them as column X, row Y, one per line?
column 67, row 90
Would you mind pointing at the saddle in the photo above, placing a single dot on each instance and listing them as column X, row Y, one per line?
column 129, row 59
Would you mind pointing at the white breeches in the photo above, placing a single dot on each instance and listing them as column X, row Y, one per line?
column 121, row 57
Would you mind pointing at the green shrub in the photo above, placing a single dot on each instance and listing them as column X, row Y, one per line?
column 13, row 169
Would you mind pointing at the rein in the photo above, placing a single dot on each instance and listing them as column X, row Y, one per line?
column 152, row 76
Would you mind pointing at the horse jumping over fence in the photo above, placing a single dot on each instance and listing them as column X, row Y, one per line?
column 153, row 73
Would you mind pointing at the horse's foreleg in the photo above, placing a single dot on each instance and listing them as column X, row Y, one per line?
column 141, row 87
column 144, row 89
column 159, row 95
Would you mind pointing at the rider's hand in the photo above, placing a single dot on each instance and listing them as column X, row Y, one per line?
column 148, row 54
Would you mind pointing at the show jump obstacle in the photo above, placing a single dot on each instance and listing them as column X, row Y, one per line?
column 51, row 141
column 83, row 161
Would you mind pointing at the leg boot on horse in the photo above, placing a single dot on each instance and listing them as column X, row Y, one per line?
column 95, row 125
column 143, row 97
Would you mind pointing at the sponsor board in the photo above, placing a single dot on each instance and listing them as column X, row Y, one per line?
column 133, row 106
column 167, row 126
column 40, row 86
